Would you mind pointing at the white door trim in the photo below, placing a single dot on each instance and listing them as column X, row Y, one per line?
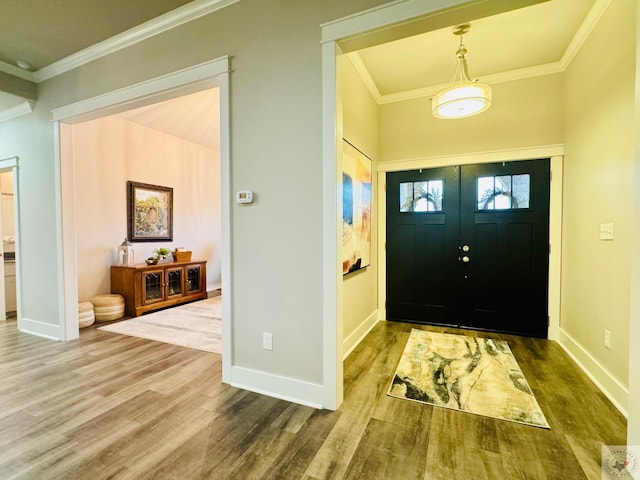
column 555, row 152
column 206, row 75
column 11, row 164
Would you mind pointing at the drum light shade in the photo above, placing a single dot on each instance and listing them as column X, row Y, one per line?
column 461, row 101
column 463, row 97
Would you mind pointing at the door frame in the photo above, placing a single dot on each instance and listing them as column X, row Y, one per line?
column 10, row 164
column 554, row 152
column 214, row 73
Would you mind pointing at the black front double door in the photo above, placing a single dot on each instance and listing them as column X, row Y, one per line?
column 468, row 246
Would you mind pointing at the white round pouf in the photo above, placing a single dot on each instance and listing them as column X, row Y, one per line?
column 85, row 314
column 108, row 307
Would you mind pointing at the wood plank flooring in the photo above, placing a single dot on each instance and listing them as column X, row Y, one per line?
column 108, row 406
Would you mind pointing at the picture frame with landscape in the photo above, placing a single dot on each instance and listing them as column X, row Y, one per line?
column 149, row 212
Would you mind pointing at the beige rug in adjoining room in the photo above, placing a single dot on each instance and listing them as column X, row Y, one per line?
column 470, row 374
column 194, row 325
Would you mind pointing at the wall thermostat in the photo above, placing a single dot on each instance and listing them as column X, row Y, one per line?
column 244, row 196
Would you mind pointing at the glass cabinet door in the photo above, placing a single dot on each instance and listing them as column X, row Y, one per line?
column 152, row 284
column 174, row 282
column 193, row 279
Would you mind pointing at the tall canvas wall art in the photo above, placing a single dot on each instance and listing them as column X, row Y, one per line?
column 356, row 209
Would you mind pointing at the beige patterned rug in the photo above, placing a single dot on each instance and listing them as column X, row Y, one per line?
column 194, row 325
column 470, row 374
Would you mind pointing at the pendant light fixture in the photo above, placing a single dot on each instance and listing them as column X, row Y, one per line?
column 463, row 97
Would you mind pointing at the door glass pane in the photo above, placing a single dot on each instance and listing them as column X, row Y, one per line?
column 521, row 191
column 421, row 196
column 435, row 192
column 502, row 197
column 503, row 192
column 174, row 282
column 193, row 279
column 485, row 193
column 406, row 197
column 153, row 286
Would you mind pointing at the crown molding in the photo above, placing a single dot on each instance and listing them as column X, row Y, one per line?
column 496, row 78
column 591, row 20
column 16, row 72
column 16, row 111
column 358, row 64
column 163, row 23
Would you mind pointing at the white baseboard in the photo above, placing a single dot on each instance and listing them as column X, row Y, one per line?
column 40, row 329
column 358, row 334
column 617, row 393
column 213, row 287
column 284, row 388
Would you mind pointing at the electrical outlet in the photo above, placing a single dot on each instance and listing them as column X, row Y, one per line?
column 267, row 341
column 607, row 338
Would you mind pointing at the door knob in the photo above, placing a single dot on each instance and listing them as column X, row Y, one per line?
column 465, row 259
column 465, row 248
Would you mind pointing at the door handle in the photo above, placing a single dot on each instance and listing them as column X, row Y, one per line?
column 465, row 259
column 465, row 248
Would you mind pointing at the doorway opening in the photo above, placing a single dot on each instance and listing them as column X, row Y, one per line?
column 8, row 233
column 468, row 246
column 173, row 144
column 209, row 75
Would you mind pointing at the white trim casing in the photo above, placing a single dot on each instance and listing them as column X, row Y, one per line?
column 66, row 237
column 331, row 242
column 181, row 82
column 381, row 212
column 226, row 221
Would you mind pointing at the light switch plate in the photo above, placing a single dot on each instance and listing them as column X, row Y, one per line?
column 606, row 231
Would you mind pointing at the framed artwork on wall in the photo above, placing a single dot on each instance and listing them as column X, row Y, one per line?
column 356, row 209
column 149, row 212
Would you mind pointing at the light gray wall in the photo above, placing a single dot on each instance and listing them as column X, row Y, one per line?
column 30, row 138
column 276, row 105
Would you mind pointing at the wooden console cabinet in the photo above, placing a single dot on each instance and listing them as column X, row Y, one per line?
column 150, row 287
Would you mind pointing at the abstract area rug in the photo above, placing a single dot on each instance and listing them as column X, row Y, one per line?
column 470, row 374
column 194, row 325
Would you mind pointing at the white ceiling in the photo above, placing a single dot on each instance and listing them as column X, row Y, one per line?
column 528, row 38
column 193, row 117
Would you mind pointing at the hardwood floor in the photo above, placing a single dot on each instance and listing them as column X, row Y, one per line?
column 118, row 407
